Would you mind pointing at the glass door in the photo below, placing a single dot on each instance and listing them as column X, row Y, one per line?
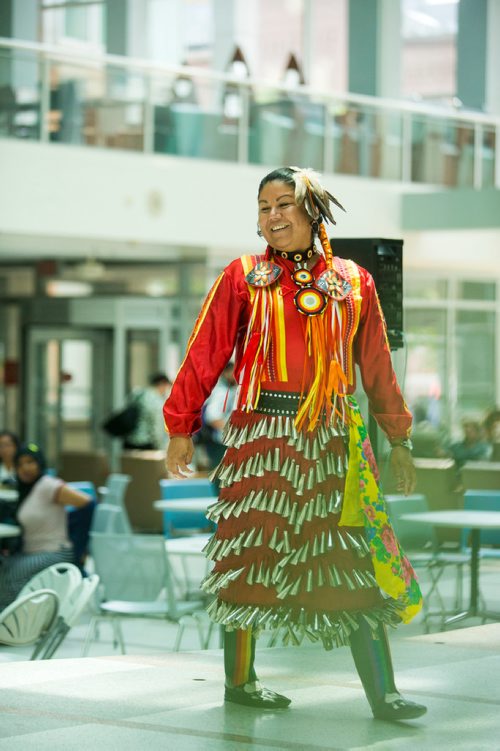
column 69, row 387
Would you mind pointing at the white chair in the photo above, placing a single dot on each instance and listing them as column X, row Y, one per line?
column 28, row 618
column 110, row 519
column 137, row 582
column 113, row 492
column 65, row 580
column 69, row 613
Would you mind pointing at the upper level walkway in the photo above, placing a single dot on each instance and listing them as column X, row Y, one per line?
column 115, row 102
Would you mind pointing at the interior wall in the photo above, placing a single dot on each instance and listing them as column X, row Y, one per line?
column 102, row 203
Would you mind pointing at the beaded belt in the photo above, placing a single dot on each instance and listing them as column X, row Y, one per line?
column 278, row 403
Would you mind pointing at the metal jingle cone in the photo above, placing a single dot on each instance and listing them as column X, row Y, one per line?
column 276, row 460
column 286, row 542
column 323, row 544
column 310, row 479
column 250, row 576
column 343, row 543
column 273, row 539
column 309, row 581
column 350, row 584
column 335, row 579
column 284, row 467
column 316, row 547
column 247, row 543
column 321, row 577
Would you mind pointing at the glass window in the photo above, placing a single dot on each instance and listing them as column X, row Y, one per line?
column 66, row 23
column 477, row 290
column 426, row 378
column 429, row 49
column 425, row 288
column 475, row 338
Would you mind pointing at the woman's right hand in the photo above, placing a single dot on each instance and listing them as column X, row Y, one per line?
column 180, row 452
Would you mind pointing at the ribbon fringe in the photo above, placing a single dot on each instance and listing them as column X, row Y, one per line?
column 294, row 625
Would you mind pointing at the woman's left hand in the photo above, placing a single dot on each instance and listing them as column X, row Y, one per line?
column 403, row 469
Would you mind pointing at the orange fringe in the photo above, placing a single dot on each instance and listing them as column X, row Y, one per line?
column 324, row 381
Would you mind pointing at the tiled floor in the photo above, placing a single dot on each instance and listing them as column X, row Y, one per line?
column 152, row 699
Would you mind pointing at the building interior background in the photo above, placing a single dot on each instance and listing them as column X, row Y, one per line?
column 133, row 135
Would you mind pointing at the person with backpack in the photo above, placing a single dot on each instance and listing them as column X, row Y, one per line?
column 148, row 432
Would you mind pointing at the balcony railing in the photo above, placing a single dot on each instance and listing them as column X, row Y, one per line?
column 115, row 102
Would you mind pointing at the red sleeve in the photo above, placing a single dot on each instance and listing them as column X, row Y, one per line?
column 209, row 349
column 373, row 356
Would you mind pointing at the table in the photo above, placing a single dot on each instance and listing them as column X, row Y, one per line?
column 185, row 504
column 9, row 495
column 191, row 545
column 475, row 521
column 9, row 530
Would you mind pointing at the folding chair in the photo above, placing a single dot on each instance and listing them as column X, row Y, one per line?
column 28, row 618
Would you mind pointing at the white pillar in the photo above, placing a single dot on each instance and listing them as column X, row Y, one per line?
column 389, row 49
column 493, row 58
column 166, row 41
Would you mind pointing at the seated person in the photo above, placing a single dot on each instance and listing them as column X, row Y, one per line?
column 473, row 446
column 9, row 444
column 429, row 441
column 492, row 429
column 43, row 519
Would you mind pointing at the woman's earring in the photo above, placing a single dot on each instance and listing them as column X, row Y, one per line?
column 259, row 232
column 315, row 226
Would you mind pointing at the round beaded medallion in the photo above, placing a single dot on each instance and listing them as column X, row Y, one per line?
column 310, row 301
column 302, row 277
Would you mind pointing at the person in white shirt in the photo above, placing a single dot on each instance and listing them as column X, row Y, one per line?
column 216, row 411
column 43, row 518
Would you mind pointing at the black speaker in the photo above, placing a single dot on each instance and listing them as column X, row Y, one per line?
column 384, row 260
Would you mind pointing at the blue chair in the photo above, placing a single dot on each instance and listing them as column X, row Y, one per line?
column 483, row 500
column 173, row 521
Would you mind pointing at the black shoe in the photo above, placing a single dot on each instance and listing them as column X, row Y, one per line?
column 399, row 709
column 262, row 698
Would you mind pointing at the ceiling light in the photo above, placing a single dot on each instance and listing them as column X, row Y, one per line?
column 62, row 288
column 90, row 269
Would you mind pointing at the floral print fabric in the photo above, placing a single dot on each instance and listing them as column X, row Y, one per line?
column 364, row 505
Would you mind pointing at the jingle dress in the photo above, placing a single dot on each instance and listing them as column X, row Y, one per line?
column 303, row 544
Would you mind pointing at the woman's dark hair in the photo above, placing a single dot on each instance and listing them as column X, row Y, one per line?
column 13, row 437
column 282, row 174
column 157, row 378
column 29, row 449
column 36, row 453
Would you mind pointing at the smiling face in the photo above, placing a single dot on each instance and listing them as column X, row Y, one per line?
column 284, row 225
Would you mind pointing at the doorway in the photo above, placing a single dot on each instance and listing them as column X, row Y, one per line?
column 68, row 388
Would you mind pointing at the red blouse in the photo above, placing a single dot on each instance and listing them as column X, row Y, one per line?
column 220, row 330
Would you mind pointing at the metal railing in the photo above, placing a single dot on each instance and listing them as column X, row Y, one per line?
column 110, row 101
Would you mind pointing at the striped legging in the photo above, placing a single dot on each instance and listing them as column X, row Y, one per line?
column 16, row 570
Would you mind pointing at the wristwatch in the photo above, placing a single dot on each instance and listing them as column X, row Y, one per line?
column 405, row 442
